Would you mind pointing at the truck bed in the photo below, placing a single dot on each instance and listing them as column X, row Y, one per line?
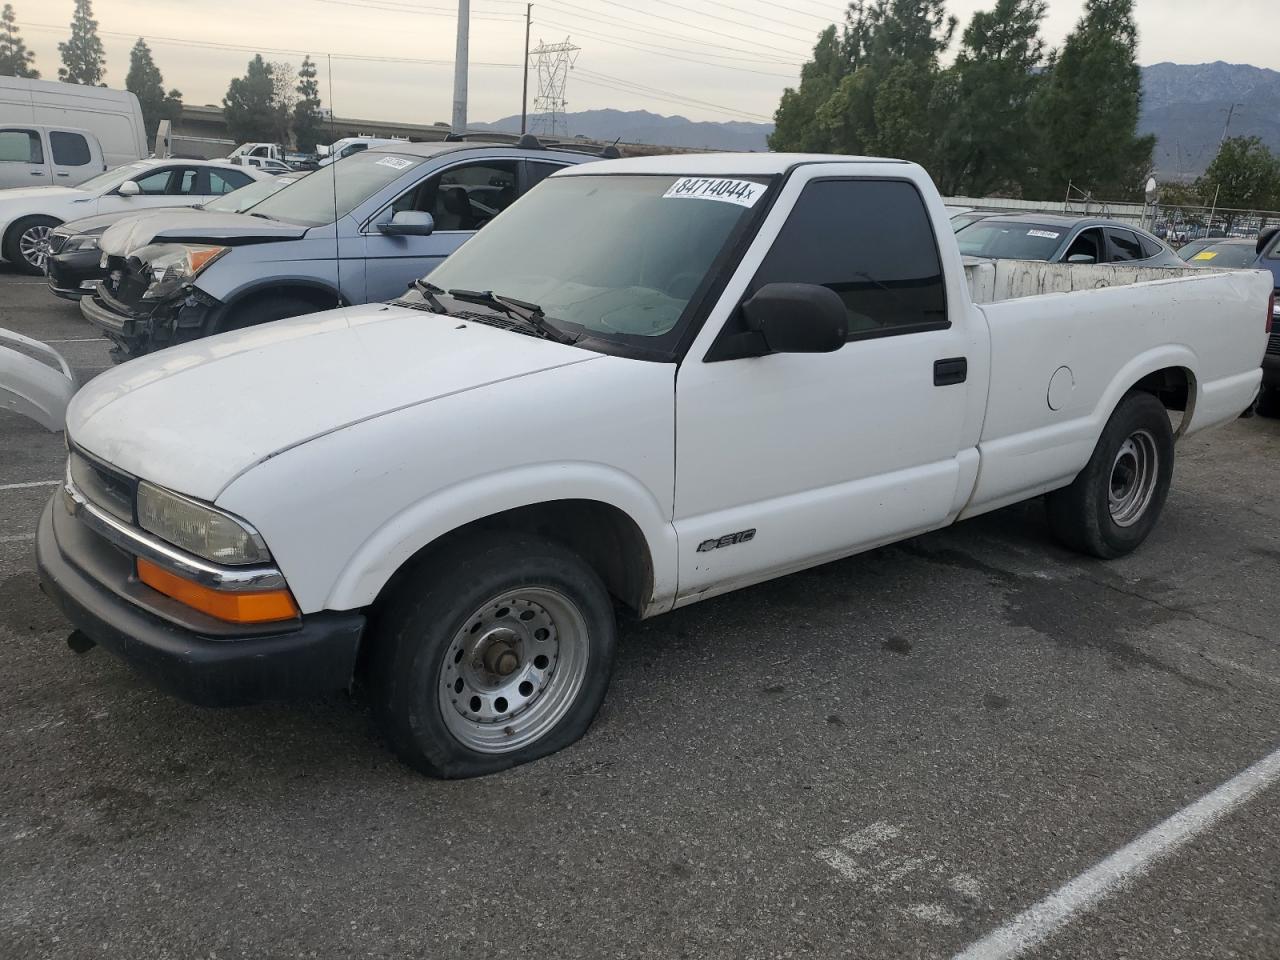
column 992, row 281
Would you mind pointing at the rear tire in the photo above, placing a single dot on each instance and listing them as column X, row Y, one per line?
column 1113, row 505
column 26, row 243
column 496, row 652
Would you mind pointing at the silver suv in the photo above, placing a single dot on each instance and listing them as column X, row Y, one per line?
column 359, row 231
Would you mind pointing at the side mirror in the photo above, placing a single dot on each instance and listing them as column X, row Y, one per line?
column 409, row 223
column 1081, row 258
column 129, row 188
column 797, row 318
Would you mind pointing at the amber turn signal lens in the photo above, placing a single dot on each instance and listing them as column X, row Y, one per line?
column 260, row 606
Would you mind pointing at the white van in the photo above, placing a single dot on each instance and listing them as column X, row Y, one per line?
column 64, row 133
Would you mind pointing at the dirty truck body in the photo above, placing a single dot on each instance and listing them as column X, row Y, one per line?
column 746, row 365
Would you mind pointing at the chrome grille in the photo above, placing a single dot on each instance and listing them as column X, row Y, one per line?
column 57, row 241
column 111, row 491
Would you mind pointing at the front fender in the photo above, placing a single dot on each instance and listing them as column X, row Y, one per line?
column 392, row 544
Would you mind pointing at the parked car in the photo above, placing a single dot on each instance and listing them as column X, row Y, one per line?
column 1060, row 239
column 74, row 261
column 348, row 145
column 65, row 133
column 265, row 164
column 966, row 217
column 622, row 392
column 400, row 210
column 27, row 216
column 1215, row 254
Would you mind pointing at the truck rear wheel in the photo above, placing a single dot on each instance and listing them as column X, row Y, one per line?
column 1116, row 500
column 492, row 654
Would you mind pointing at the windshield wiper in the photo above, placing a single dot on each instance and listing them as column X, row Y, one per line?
column 430, row 292
column 529, row 313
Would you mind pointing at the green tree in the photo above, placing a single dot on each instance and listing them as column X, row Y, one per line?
column 15, row 59
column 795, row 121
column 147, row 83
column 307, row 120
column 249, row 106
column 1245, row 175
column 1085, row 116
column 987, row 145
column 83, row 60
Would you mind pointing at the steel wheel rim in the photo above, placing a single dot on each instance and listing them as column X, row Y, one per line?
column 1134, row 473
column 513, row 669
column 34, row 245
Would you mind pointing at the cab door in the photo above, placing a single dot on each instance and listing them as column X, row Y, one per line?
column 75, row 157
column 786, row 460
column 22, row 158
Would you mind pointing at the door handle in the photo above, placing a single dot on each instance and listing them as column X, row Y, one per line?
column 64, row 174
column 950, row 371
column 37, row 173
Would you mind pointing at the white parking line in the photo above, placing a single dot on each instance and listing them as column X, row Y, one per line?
column 29, row 484
column 1037, row 923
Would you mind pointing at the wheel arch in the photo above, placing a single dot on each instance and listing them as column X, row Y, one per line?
column 322, row 295
column 1167, row 372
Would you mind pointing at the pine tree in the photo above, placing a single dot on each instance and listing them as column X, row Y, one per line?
column 249, row 106
column 83, row 60
column 147, row 83
column 1085, row 116
column 15, row 59
column 307, row 119
column 987, row 140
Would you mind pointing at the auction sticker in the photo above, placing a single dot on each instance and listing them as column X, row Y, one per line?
column 742, row 192
column 395, row 163
column 1206, row 255
column 1043, row 234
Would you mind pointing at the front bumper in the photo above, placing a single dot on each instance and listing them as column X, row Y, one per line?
column 136, row 331
column 68, row 273
column 184, row 653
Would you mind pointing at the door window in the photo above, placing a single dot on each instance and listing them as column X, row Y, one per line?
column 154, row 184
column 872, row 243
column 69, row 149
column 184, row 181
column 20, row 146
column 464, row 197
column 224, row 181
column 1087, row 244
column 1124, row 246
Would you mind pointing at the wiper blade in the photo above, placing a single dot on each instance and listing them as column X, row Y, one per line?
column 529, row 313
column 430, row 293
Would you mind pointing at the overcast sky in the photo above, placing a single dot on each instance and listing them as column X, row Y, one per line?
column 724, row 59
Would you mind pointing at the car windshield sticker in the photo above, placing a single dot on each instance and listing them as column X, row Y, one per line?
column 1205, row 255
column 742, row 192
column 395, row 163
column 1043, row 234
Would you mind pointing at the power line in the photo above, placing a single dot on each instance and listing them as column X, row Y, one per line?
column 659, row 52
column 444, row 12
column 569, row 10
column 702, row 27
column 213, row 45
column 685, row 8
column 629, row 86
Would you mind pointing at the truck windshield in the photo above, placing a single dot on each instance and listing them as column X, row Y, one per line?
column 619, row 256
column 1003, row 240
column 351, row 181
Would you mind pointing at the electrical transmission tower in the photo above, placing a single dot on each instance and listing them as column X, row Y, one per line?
column 554, row 62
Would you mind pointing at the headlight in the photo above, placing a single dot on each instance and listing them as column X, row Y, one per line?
column 198, row 529
column 80, row 243
column 173, row 264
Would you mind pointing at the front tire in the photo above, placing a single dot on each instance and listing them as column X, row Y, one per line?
column 26, row 244
column 1113, row 505
column 494, row 653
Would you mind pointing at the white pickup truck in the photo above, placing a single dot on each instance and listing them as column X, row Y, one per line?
column 741, row 366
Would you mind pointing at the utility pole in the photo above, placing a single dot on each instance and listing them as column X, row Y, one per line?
column 555, row 60
column 524, row 88
column 460, row 68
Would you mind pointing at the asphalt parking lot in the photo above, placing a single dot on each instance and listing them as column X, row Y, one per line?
column 894, row 756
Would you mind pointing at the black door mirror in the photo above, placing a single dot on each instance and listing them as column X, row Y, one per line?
column 797, row 318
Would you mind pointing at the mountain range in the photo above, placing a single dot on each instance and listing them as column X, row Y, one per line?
column 1184, row 105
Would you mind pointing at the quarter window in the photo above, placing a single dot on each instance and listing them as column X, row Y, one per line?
column 872, row 243
column 69, row 149
column 20, row 146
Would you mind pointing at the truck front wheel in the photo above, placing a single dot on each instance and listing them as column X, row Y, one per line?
column 1116, row 500
column 492, row 654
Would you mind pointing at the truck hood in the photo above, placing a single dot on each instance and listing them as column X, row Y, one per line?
column 194, row 417
column 194, row 226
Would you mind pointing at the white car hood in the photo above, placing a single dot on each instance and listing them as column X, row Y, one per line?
column 194, row 417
